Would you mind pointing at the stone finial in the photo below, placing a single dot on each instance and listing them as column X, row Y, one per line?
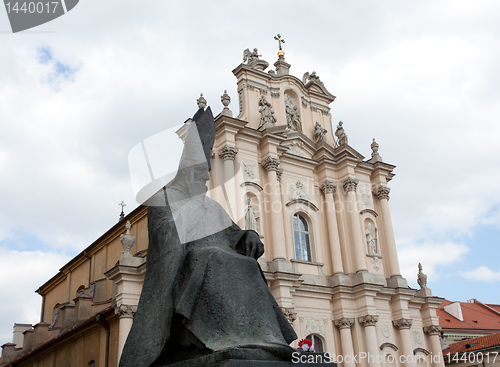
column 124, row 311
column 202, row 102
column 375, row 156
column 328, row 187
column 368, row 320
column 402, row 323
column 127, row 240
column 382, row 192
column 350, row 184
column 432, row 329
column 344, row 323
column 226, row 100
column 228, row 152
column 271, row 164
column 341, row 135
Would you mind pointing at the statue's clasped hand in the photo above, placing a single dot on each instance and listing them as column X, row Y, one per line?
column 251, row 245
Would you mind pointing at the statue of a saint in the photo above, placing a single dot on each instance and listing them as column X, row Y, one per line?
column 266, row 112
column 292, row 114
column 340, row 134
column 371, row 241
column 319, row 132
column 421, row 278
column 203, row 291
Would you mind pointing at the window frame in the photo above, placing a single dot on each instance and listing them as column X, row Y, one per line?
column 300, row 218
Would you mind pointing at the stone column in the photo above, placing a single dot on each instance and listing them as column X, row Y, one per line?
column 369, row 322
column 228, row 154
column 433, row 332
column 382, row 193
column 404, row 325
column 329, row 188
column 344, row 324
column 277, row 230
column 126, row 314
column 349, row 186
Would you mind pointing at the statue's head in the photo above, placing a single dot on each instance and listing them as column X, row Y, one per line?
column 195, row 160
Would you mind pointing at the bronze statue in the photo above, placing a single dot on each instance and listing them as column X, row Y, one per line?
column 204, row 292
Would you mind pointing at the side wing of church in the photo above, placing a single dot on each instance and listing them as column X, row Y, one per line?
column 322, row 212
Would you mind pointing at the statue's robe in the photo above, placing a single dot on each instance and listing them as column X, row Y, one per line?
column 206, row 291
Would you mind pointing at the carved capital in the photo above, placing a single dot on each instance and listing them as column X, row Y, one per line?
column 382, row 192
column 125, row 311
column 368, row 320
column 432, row 329
column 328, row 187
column 402, row 323
column 271, row 164
column 350, row 184
column 228, row 152
column 290, row 314
column 344, row 323
column 279, row 172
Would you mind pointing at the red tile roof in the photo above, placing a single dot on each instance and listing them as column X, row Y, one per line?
column 477, row 317
column 475, row 344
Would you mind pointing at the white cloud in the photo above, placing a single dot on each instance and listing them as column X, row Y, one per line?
column 21, row 273
column 421, row 77
column 432, row 255
column 482, row 274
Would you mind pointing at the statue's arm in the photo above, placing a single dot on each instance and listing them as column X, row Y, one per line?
column 249, row 243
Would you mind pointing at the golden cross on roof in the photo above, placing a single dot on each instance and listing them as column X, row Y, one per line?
column 280, row 41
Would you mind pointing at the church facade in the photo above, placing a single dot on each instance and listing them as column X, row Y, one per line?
column 322, row 212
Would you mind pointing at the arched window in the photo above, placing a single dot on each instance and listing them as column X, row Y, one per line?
column 317, row 341
column 301, row 238
column 92, row 364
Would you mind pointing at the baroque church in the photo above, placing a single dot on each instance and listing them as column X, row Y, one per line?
column 321, row 209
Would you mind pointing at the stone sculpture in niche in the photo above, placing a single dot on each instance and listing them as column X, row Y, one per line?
column 204, row 294
column 251, row 219
column 292, row 114
column 319, row 132
column 371, row 240
column 266, row 113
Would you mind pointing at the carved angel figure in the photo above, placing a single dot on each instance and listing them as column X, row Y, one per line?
column 310, row 77
column 250, row 57
column 319, row 132
column 266, row 112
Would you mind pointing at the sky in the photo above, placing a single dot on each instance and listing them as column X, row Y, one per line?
column 78, row 93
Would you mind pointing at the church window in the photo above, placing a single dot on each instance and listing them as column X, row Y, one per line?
column 317, row 341
column 301, row 238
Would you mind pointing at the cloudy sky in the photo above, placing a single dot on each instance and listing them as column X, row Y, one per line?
column 76, row 95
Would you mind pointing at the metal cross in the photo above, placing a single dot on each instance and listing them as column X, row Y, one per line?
column 279, row 39
column 122, row 214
